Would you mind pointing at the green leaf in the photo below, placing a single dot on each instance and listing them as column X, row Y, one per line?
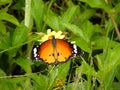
column 86, row 69
column 2, row 73
column 52, row 78
column 106, row 73
column 82, row 44
column 5, row 41
column 109, row 78
column 117, row 7
column 6, row 85
column 100, row 64
column 8, row 17
column 28, row 84
column 109, row 24
column 99, row 42
column 89, row 30
column 18, row 82
column 81, row 41
column 3, row 2
column 118, row 73
column 52, row 20
column 98, row 4
column 115, row 86
column 40, row 81
column 84, row 16
column 69, row 15
column 63, row 70
column 78, row 85
column 3, row 28
column 114, row 59
column 20, row 35
column 75, row 29
column 38, row 12
column 19, row 5
column 58, row 73
column 25, row 64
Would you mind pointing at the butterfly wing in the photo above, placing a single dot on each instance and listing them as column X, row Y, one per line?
column 52, row 53
column 45, row 52
column 66, row 50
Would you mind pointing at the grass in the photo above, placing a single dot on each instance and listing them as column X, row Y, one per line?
column 93, row 25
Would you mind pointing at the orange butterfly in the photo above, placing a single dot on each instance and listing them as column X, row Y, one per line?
column 55, row 51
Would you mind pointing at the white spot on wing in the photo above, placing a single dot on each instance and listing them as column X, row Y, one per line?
column 35, row 54
column 74, row 48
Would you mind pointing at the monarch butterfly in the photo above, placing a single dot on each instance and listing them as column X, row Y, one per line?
column 55, row 51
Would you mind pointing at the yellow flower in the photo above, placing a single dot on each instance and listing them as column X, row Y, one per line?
column 52, row 33
column 59, row 82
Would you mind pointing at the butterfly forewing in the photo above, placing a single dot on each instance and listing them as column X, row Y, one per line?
column 64, row 50
column 46, row 53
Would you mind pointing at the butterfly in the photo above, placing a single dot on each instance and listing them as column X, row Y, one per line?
column 54, row 51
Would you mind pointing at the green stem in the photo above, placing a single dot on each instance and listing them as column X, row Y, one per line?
column 27, row 12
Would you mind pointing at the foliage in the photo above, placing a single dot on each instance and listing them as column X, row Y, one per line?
column 92, row 24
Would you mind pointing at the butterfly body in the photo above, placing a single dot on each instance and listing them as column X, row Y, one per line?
column 55, row 51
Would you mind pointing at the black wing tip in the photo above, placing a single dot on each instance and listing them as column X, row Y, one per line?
column 76, row 51
column 34, row 54
column 80, row 51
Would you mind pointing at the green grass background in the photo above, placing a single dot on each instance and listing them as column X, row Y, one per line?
column 92, row 24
